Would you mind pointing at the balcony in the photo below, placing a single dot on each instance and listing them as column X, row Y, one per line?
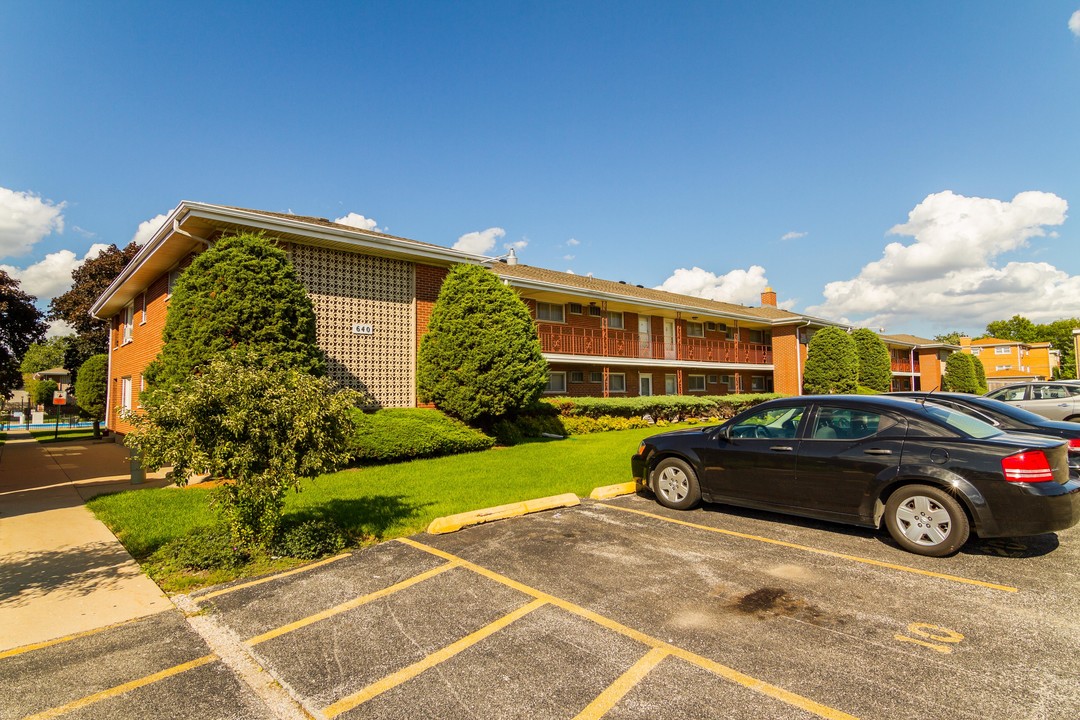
column 565, row 340
column 904, row 365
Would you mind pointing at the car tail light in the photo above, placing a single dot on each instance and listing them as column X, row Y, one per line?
column 1074, row 444
column 1029, row 467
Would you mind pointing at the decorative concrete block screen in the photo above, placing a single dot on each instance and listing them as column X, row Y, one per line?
column 365, row 320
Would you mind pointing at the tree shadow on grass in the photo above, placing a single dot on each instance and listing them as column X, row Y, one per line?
column 363, row 518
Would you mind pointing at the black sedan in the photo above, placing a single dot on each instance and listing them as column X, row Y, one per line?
column 930, row 474
column 1007, row 418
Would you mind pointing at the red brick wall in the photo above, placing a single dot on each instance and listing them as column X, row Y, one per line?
column 788, row 359
column 130, row 359
column 429, row 281
column 929, row 370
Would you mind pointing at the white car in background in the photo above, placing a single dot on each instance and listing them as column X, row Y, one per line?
column 1054, row 400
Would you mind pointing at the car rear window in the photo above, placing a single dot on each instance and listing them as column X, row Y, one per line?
column 963, row 424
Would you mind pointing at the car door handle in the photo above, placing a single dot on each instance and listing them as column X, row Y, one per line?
column 782, row 448
column 878, row 451
column 1063, row 404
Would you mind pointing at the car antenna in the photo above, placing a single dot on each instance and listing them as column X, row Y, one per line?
column 922, row 400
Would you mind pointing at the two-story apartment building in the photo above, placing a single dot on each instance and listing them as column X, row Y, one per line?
column 917, row 363
column 373, row 294
column 1010, row 361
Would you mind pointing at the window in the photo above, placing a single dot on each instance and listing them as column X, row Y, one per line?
column 549, row 312
column 1003, row 367
column 761, row 337
column 833, row 423
column 711, row 326
column 125, row 393
column 596, row 377
column 1003, row 350
column 142, row 316
column 126, row 321
column 577, row 376
column 976, row 351
column 712, row 379
column 694, row 329
column 556, row 383
column 695, row 383
column 575, row 308
column 671, row 385
column 173, row 275
column 142, row 389
column 728, row 380
column 617, row 382
column 615, row 320
column 1012, row 394
column 594, row 311
column 777, row 422
column 757, row 383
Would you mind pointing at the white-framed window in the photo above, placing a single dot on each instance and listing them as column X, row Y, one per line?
column 1003, row 350
column 142, row 389
column 550, row 312
column 713, row 379
column 575, row 308
column 126, row 321
column 142, row 315
column 728, row 380
column 596, row 377
column 729, row 332
column 695, row 383
column 173, row 275
column 671, row 384
column 125, row 393
column 695, row 329
column 577, row 376
column 1003, row 367
column 556, row 382
column 711, row 326
column 615, row 320
column 757, row 383
column 617, row 382
column 976, row 351
column 761, row 337
column 594, row 311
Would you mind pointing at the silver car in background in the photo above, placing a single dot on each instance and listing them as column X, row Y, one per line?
column 1054, row 400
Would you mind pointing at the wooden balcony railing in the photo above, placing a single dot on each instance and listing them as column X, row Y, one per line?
column 904, row 365
column 568, row 340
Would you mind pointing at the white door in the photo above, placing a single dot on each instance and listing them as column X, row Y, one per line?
column 669, row 339
column 644, row 385
column 644, row 330
column 125, row 393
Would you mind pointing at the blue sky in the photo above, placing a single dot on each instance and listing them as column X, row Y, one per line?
column 909, row 166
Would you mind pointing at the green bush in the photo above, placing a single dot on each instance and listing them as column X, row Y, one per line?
column 832, row 363
column 875, row 362
column 960, row 373
column 398, row 434
column 660, row 407
column 206, row 548
column 309, row 539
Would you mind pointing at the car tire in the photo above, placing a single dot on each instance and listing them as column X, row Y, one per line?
column 675, row 484
column 926, row 520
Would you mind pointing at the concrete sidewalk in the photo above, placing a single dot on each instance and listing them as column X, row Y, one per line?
column 61, row 570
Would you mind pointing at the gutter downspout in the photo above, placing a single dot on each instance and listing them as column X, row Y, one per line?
column 798, row 355
column 185, row 233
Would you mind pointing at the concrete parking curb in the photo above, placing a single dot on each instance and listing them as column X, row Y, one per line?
column 452, row 523
column 609, row 491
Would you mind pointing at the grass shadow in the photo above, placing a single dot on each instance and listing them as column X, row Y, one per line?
column 363, row 518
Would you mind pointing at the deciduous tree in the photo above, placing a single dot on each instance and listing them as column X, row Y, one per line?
column 21, row 324
column 90, row 389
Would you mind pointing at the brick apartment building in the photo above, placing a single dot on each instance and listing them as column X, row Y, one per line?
column 373, row 294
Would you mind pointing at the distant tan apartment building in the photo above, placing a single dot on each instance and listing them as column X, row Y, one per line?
column 1011, row 361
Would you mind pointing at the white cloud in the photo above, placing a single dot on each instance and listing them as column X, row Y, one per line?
column 479, row 243
column 59, row 328
column 1074, row 23
column 519, row 245
column 147, row 228
column 51, row 276
column 737, row 286
column 948, row 277
column 358, row 221
column 793, row 235
column 25, row 219
column 572, row 242
column 568, row 257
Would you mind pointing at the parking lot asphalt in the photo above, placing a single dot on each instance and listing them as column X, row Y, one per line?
column 615, row 609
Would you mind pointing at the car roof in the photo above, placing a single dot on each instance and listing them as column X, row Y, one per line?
column 880, row 401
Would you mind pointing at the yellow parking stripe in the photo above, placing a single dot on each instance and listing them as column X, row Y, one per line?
column 714, row 667
column 67, row 638
column 830, row 553
column 622, row 685
column 121, row 689
column 354, row 603
column 391, row 681
column 268, row 578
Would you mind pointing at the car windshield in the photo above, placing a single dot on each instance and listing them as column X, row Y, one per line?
column 1011, row 411
column 964, row 424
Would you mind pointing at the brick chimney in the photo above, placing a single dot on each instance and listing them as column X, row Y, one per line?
column 768, row 297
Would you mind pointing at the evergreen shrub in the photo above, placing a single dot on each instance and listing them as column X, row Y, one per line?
column 832, row 363
column 398, row 434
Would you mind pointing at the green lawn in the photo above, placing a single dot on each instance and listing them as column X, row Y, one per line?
column 388, row 501
column 46, row 435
